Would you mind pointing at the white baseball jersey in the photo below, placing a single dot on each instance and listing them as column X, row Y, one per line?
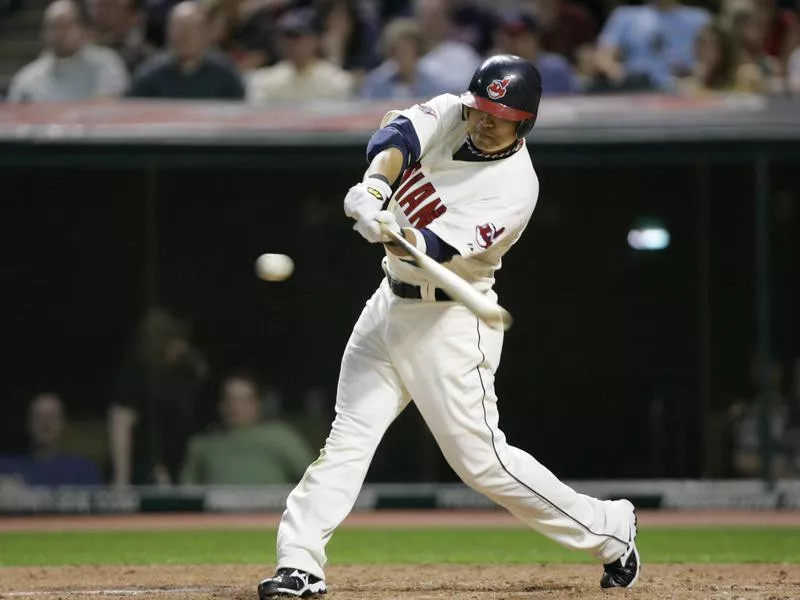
column 480, row 208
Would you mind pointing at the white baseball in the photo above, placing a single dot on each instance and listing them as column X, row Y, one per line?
column 274, row 267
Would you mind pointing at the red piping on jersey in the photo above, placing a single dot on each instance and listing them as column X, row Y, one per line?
column 495, row 108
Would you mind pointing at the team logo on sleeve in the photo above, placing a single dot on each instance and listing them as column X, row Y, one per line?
column 498, row 88
column 428, row 110
column 486, row 234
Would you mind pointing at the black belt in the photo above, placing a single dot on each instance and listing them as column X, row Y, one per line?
column 413, row 292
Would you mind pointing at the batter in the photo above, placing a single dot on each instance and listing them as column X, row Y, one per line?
column 455, row 177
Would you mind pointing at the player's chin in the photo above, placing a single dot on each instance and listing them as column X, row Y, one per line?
column 486, row 143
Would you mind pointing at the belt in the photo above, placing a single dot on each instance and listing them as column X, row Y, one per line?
column 407, row 290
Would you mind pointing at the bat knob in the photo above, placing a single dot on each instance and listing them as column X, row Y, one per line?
column 501, row 321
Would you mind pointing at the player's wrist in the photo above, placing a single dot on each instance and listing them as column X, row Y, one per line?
column 379, row 177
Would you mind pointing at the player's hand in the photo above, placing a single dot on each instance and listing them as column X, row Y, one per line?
column 372, row 228
column 365, row 199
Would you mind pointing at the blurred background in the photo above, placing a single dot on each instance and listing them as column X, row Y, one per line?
column 151, row 151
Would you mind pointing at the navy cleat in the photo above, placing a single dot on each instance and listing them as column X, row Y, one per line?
column 291, row 583
column 623, row 572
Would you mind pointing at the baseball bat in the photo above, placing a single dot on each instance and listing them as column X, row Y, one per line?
column 491, row 313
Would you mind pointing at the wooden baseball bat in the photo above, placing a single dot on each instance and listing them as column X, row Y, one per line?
column 491, row 313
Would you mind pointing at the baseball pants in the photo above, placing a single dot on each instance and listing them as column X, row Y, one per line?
column 444, row 358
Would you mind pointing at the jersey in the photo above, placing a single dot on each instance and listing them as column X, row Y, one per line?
column 479, row 207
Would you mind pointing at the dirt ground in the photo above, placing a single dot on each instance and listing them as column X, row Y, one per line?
column 402, row 582
column 429, row 582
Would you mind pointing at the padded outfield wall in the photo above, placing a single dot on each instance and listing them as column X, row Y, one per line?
column 112, row 208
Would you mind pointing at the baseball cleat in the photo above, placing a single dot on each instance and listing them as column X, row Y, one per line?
column 291, row 583
column 623, row 572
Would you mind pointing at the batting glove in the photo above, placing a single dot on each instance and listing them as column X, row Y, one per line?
column 365, row 199
column 372, row 228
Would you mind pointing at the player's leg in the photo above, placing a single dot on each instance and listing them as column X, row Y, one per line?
column 451, row 378
column 369, row 397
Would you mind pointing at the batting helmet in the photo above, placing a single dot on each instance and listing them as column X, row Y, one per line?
column 508, row 87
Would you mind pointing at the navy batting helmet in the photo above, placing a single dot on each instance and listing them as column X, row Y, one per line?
column 508, row 87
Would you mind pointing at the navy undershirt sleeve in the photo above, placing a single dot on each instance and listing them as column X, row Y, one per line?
column 400, row 134
column 436, row 248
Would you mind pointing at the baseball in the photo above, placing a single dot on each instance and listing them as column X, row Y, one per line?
column 274, row 267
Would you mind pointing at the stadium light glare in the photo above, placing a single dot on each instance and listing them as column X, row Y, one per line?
column 648, row 238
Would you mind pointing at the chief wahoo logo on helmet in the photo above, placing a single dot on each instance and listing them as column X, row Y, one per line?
column 497, row 89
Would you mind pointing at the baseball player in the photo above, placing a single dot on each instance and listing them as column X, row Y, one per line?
column 453, row 175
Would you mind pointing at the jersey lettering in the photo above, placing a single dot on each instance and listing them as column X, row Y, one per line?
column 418, row 198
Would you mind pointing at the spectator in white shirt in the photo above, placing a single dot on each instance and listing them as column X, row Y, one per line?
column 302, row 75
column 70, row 69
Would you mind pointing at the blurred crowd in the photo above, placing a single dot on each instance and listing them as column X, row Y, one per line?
column 153, row 432
column 768, row 424
column 265, row 51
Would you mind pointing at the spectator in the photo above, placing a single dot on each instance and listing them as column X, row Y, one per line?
column 566, row 28
column 793, row 430
column 153, row 404
column 47, row 464
column 793, row 71
column 778, row 30
column 648, row 47
column 716, row 69
column 247, row 450
column 189, row 69
column 781, row 29
column 519, row 34
column 70, row 69
column 474, row 24
column 747, row 30
column 245, row 30
column 401, row 75
column 118, row 24
column 349, row 36
column 303, row 75
column 747, row 419
column 449, row 61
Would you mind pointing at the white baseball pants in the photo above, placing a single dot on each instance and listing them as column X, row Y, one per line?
column 444, row 358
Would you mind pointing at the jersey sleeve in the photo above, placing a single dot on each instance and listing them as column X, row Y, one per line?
column 429, row 119
column 485, row 223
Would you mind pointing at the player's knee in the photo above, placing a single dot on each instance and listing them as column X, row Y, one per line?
column 480, row 473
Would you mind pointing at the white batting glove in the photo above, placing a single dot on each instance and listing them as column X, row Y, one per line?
column 372, row 228
column 365, row 199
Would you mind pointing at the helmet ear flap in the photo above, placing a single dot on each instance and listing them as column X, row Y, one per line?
column 524, row 127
